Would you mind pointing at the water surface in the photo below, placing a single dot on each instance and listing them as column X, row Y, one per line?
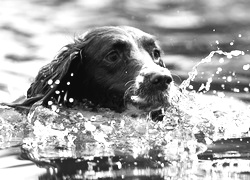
column 201, row 136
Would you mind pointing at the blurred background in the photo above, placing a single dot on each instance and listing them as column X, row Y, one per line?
column 33, row 31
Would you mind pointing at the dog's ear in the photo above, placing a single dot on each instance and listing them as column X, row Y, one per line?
column 57, row 73
column 54, row 75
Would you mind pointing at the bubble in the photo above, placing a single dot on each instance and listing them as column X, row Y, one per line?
column 57, row 92
column 231, row 43
column 214, row 30
column 239, row 35
column 217, row 42
column 72, row 74
column 79, row 115
column 93, row 118
column 68, row 83
column 71, row 100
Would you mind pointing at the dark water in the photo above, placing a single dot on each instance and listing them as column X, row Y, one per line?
column 79, row 145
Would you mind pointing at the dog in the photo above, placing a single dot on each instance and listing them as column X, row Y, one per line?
column 114, row 67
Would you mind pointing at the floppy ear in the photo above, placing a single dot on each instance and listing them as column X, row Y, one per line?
column 54, row 75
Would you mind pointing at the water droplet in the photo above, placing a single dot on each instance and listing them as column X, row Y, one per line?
column 191, row 86
column 231, row 43
column 221, row 60
column 246, row 67
column 72, row 74
column 219, row 69
column 57, row 92
column 54, row 108
column 50, row 103
column 217, row 42
column 239, row 35
column 57, row 81
column 119, row 165
column 236, row 90
column 221, row 94
column 229, row 78
column 246, row 89
column 237, row 53
column 50, row 82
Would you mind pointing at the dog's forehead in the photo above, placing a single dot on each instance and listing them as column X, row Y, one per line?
column 123, row 33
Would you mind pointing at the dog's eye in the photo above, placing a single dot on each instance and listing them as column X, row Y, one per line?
column 113, row 57
column 156, row 54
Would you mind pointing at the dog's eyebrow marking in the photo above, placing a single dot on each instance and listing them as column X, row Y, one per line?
column 120, row 43
column 148, row 41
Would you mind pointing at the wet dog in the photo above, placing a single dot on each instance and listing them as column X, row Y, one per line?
column 113, row 67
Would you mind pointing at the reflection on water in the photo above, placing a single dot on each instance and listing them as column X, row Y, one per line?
column 82, row 144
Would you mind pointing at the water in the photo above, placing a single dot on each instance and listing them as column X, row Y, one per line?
column 79, row 144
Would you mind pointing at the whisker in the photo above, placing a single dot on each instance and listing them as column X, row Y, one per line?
column 131, row 81
column 129, row 90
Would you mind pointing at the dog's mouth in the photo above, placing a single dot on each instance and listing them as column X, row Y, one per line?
column 152, row 103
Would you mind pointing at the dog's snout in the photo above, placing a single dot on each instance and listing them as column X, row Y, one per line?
column 160, row 80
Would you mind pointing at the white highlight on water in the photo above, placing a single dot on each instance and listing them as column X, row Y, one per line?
column 194, row 72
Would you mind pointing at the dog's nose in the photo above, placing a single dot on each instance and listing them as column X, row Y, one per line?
column 160, row 80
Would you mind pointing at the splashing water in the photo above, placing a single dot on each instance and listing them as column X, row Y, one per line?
column 194, row 72
column 191, row 122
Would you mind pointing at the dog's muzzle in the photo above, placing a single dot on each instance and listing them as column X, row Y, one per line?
column 151, row 90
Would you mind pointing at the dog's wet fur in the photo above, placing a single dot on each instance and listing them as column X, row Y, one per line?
column 113, row 67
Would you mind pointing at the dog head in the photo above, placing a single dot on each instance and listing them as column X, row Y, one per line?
column 113, row 67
